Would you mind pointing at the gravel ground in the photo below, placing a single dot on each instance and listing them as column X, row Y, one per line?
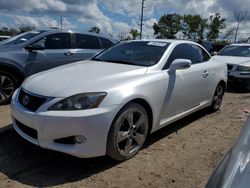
column 183, row 154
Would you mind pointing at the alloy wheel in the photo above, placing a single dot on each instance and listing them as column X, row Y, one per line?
column 132, row 132
column 218, row 96
column 7, row 87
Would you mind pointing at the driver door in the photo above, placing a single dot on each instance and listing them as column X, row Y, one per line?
column 186, row 88
column 57, row 51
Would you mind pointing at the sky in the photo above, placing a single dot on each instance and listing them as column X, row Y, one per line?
column 114, row 16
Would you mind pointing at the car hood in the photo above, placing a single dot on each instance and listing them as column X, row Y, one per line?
column 80, row 77
column 232, row 59
column 8, row 48
column 233, row 170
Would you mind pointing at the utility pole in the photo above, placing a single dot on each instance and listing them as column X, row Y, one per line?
column 142, row 7
column 61, row 22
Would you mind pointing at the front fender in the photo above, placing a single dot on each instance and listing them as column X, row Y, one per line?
column 150, row 88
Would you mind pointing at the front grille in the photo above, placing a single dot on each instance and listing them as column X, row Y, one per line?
column 30, row 101
column 230, row 67
column 27, row 130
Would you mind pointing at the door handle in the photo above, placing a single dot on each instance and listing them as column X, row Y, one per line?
column 205, row 74
column 68, row 53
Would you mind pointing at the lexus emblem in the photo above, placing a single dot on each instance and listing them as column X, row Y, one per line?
column 25, row 100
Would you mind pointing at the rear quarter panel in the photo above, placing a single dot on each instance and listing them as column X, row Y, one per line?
column 218, row 73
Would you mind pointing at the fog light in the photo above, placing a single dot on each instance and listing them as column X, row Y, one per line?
column 80, row 139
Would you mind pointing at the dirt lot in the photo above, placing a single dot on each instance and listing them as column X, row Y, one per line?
column 181, row 155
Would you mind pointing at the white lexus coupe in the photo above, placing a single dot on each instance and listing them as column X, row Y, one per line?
column 109, row 104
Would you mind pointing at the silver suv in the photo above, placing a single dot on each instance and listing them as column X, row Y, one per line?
column 39, row 50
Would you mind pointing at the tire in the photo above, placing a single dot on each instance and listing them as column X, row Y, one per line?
column 217, row 98
column 128, row 132
column 8, row 84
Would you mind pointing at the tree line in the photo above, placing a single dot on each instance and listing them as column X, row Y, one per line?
column 14, row 31
column 192, row 27
column 132, row 35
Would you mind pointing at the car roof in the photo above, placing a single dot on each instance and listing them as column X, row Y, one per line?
column 51, row 31
column 168, row 40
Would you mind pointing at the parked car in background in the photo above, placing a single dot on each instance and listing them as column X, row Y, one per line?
column 4, row 37
column 39, row 50
column 211, row 47
column 237, row 58
column 109, row 104
column 233, row 170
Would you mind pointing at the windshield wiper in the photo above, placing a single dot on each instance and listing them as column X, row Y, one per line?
column 96, row 59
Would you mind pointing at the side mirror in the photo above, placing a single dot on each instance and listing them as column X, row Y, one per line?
column 214, row 53
column 180, row 64
column 35, row 46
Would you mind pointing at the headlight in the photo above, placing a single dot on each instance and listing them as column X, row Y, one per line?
column 79, row 102
column 243, row 68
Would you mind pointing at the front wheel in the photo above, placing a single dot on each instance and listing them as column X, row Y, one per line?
column 128, row 132
column 8, row 84
column 217, row 99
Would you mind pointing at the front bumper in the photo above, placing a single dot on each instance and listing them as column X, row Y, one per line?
column 92, row 124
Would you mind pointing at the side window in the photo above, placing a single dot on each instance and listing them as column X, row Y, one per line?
column 179, row 52
column 187, row 51
column 56, row 41
column 106, row 43
column 87, row 42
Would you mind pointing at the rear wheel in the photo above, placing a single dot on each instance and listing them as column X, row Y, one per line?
column 128, row 132
column 8, row 84
column 217, row 99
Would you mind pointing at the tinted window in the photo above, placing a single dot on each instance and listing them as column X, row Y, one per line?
column 240, row 51
column 140, row 53
column 87, row 42
column 187, row 51
column 56, row 41
column 106, row 43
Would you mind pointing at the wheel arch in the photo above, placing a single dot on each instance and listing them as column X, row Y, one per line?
column 223, row 83
column 146, row 106
column 111, row 148
column 13, row 70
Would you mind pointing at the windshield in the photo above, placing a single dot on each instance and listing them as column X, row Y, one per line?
column 240, row 51
column 140, row 53
column 21, row 38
